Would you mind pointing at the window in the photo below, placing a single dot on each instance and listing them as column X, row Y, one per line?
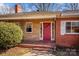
column 29, row 27
column 72, row 27
column 75, row 27
column 68, row 27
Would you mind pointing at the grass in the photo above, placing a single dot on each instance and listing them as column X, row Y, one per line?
column 16, row 51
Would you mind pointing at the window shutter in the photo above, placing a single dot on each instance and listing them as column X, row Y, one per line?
column 63, row 30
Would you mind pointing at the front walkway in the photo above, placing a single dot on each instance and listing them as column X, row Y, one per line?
column 39, row 48
column 39, row 53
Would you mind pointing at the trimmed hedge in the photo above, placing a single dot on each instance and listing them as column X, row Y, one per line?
column 10, row 35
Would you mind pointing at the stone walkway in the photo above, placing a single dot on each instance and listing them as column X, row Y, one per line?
column 49, row 52
column 39, row 53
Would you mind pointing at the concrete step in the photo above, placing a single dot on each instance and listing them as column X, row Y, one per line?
column 42, row 49
column 35, row 46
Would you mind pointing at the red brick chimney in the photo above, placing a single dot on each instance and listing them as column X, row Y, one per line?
column 18, row 8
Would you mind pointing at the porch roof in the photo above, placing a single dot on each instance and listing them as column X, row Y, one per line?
column 70, row 14
column 40, row 15
column 30, row 15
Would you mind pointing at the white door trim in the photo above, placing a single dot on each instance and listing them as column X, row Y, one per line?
column 41, row 38
column 51, row 31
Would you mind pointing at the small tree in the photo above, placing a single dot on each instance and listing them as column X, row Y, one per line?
column 72, row 6
column 47, row 6
column 6, row 10
column 10, row 35
column 42, row 6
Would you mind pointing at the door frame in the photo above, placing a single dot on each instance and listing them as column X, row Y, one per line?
column 41, row 34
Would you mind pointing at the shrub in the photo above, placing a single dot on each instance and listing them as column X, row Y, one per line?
column 10, row 35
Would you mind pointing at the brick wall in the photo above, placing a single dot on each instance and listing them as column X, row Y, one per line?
column 66, row 40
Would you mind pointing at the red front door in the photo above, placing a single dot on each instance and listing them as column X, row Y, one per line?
column 47, row 32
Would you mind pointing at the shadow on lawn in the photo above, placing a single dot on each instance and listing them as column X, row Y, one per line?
column 4, row 50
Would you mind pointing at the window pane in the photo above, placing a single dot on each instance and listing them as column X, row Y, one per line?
column 29, row 27
column 75, row 27
column 68, row 27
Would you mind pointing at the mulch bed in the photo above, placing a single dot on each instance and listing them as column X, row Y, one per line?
column 66, row 52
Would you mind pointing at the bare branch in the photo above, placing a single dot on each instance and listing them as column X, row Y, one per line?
column 72, row 6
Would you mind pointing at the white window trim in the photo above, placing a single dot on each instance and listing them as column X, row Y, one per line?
column 62, row 29
column 26, row 26
column 71, row 28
